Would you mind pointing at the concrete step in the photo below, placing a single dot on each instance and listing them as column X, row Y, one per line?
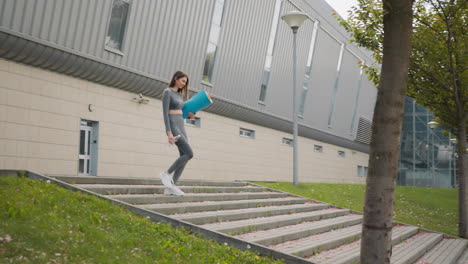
column 141, row 181
column 350, row 253
column 178, row 208
column 410, row 250
column 463, row 258
column 114, row 189
column 271, row 220
column 293, row 232
column 239, row 214
column 448, row 251
column 264, row 223
column 193, row 197
column 310, row 245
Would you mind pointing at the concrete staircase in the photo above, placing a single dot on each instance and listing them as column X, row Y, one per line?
column 272, row 221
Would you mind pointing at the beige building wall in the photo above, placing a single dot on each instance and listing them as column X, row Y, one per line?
column 40, row 113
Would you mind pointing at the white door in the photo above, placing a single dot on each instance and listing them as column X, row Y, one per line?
column 88, row 148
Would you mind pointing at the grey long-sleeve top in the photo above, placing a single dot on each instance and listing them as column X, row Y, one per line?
column 171, row 100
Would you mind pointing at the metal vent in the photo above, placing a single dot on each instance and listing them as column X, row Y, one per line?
column 364, row 131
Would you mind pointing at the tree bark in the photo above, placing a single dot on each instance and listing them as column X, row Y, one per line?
column 462, row 168
column 376, row 244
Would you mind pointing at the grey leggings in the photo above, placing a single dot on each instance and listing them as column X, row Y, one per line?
column 185, row 151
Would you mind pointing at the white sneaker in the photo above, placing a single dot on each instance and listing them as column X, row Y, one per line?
column 176, row 191
column 168, row 191
column 166, row 179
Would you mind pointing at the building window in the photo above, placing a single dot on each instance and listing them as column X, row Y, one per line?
column 247, row 133
column 215, row 31
column 308, row 70
column 362, row 171
column 193, row 122
column 271, row 48
column 318, row 148
column 117, row 24
column 288, row 141
column 341, row 153
column 263, row 88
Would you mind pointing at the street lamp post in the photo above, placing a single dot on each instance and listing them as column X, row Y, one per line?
column 294, row 19
column 455, row 155
column 432, row 125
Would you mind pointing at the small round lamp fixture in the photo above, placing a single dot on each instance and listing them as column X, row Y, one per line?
column 91, row 107
column 294, row 19
column 433, row 124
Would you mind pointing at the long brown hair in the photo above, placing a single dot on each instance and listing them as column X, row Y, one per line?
column 183, row 91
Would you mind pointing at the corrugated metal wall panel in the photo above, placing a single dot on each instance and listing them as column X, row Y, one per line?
column 179, row 38
column 18, row 14
column 348, row 85
column 279, row 95
column 4, row 14
column 27, row 13
column 102, row 20
column 71, row 29
column 44, row 25
column 146, row 37
column 87, row 25
column 367, row 99
column 323, row 12
column 65, row 28
column 241, row 50
column 36, row 19
column 81, row 17
column 163, row 36
column 159, row 38
column 133, row 37
column 323, row 75
column 56, row 21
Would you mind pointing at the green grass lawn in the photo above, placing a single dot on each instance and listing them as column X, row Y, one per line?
column 430, row 208
column 44, row 223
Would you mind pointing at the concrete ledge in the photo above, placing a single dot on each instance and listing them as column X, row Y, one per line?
column 446, row 252
column 265, row 223
column 310, row 245
column 180, row 208
column 351, row 253
column 464, row 258
column 408, row 251
column 139, row 181
column 231, row 216
column 140, row 199
column 282, row 234
column 114, row 189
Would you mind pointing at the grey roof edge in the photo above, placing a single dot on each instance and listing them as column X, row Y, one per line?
column 32, row 51
column 157, row 217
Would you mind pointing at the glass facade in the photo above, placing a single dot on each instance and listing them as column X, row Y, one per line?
column 427, row 156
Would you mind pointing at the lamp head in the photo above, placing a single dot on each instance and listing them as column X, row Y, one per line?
column 294, row 19
column 433, row 124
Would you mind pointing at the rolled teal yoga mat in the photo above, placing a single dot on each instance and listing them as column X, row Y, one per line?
column 199, row 101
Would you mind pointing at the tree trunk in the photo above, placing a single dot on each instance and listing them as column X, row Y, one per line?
column 462, row 173
column 376, row 244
